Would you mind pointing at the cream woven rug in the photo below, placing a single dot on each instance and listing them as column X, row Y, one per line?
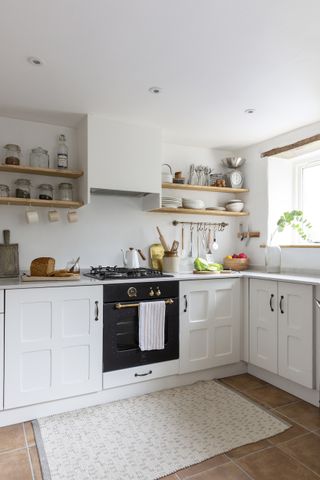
column 147, row 437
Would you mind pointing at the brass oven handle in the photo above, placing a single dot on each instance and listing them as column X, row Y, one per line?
column 119, row 306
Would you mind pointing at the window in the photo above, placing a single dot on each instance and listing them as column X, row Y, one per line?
column 308, row 194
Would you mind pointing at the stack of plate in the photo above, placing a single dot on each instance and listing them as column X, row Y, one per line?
column 171, row 202
column 195, row 204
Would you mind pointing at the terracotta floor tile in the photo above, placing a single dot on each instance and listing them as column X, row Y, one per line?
column 306, row 449
column 15, row 466
column 303, row 413
column 229, row 471
column 271, row 396
column 37, row 468
column 243, row 382
column 274, row 464
column 12, row 437
column 246, row 449
column 200, row 467
column 29, row 433
column 292, row 432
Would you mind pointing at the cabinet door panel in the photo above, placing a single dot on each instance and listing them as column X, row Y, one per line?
column 53, row 344
column 263, row 324
column 226, row 328
column 209, row 324
column 296, row 332
column 196, row 325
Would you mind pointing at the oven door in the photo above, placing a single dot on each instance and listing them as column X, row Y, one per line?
column 121, row 337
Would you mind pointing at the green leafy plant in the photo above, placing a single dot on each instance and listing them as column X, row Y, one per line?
column 295, row 220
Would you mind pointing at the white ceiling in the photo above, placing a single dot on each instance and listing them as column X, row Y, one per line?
column 213, row 59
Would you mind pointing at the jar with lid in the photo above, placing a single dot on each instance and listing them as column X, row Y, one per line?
column 12, row 154
column 39, row 158
column 66, row 192
column 23, row 188
column 45, row 191
column 4, row 191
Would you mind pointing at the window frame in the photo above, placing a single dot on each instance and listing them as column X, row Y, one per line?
column 299, row 167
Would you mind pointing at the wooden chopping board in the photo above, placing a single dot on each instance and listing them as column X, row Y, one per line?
column 29, row 278
column 9, row 257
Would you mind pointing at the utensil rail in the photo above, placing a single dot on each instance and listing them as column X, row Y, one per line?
column 220, row 225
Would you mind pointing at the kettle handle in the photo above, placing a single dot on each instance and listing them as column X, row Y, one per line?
column 141, row 254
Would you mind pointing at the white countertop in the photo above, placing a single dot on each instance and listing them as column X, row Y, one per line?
column 13, row 283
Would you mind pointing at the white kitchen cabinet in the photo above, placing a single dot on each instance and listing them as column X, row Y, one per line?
column 264, row 324
column 1, row 301
column 53, row 344
column 1, row 358
column 281, row 329
column 295, row 327
column 209, row 324
column 122, row 157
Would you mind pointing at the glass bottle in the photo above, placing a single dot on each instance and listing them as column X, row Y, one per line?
column 62, row 152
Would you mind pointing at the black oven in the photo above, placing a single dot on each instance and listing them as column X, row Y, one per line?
column 121, row 323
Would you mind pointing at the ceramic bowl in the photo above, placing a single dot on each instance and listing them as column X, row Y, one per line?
column 235, row 207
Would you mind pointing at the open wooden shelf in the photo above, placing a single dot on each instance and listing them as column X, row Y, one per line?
column 185, row 186
column 49, row 172
column 191, row 211
column 34, row 202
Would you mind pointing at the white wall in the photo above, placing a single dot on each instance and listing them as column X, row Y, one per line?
column 256, row 170
column 109, row 223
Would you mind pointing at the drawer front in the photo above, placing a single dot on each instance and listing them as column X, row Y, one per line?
column 129, row 376
column 1, row 301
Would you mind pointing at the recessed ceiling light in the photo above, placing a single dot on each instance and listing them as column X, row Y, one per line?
column 35, row 61
column 250, row 111
column 155, row 90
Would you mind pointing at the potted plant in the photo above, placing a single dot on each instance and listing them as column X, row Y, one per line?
column 293, row 219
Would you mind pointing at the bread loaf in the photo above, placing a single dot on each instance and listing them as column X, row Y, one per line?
column 42, row 267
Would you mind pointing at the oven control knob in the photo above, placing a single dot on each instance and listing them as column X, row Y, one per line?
column 151, row 292
column 132, row 292
column 158, row 292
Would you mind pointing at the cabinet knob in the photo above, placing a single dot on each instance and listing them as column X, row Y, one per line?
column 151, row 292
column 158, row 292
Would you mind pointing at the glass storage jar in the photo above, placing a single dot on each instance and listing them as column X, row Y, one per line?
column 45, row 191
column 12, row 154
column 23, row 188
column 39, row 158
column 66, row 192
column 4, row 191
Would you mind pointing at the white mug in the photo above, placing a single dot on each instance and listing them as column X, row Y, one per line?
column 72, row 216
column 32, row 216
column 53, row 216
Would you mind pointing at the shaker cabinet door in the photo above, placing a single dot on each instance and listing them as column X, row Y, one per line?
column 295, row 320
column 209, row 324
column 53, row 344
column 263, row 324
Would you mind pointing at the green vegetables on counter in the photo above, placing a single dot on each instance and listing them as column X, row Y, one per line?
column 201, row 265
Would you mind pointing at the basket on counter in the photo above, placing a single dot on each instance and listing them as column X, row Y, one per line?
column 237, row 264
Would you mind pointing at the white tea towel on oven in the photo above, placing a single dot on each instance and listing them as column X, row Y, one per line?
column 151, row 325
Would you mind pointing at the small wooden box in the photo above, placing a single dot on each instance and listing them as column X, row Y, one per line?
column 237, row 264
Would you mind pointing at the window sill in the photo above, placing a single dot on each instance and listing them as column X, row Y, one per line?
column 310, row 245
